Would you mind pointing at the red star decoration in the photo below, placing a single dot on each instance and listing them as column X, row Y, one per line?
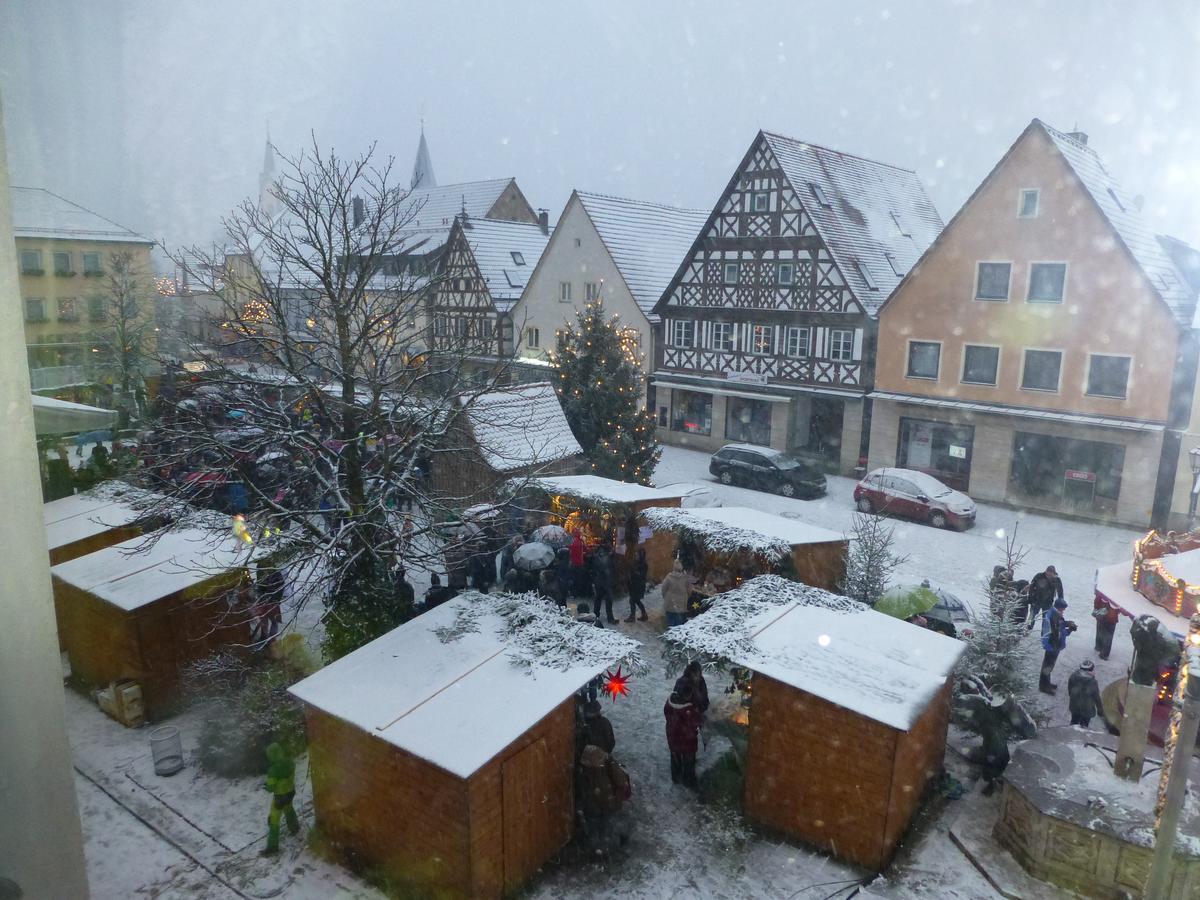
column 616, row 685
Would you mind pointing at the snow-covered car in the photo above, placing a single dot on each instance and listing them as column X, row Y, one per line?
column 914, row 495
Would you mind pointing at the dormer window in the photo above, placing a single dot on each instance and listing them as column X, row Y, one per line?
column 518, row 258
column 865, row 274
column 896, row 270
column 900, row 229
column 1028, row 207
column 819, row 194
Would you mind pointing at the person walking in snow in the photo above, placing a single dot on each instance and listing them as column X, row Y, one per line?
column 1083, row 692
column 1055, row 628
column 1044, row 590
column 683, row 729
column 676, row 588
column 637, row 585
column 281, row 782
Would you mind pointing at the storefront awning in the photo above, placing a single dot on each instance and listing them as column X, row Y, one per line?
column 1023, row 412
column 724, row 392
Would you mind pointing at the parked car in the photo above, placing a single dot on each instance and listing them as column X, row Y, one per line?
column 914, row 495
column 767, row 469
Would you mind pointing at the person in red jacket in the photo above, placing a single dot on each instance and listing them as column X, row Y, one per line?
column 578, row 551
column 1106, row 625
column 683, row 729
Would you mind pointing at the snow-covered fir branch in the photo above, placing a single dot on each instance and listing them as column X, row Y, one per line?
column 717, row 537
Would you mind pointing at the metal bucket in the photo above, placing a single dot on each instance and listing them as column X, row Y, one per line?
column 167, row 749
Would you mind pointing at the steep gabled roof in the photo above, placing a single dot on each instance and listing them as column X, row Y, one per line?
column 39, row 213
column 436, row 207
column 873, row 209
column 493, row 244
column 519, row 426
column 1123, row 215
column 646, row 240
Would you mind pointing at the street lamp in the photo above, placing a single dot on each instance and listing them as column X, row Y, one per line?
column 1194, row 459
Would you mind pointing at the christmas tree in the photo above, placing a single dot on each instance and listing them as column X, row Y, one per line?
column 598, row 378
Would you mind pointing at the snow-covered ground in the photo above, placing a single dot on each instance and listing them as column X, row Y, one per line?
column 198, row 837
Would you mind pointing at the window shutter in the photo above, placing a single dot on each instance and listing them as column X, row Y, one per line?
column 858, row 341
column 776, row 336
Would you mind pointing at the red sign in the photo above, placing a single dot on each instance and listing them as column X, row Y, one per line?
column 1076, row 475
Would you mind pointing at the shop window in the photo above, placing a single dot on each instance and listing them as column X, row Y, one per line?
column 797, row 342
column 841, row 345
column 691, row 412
column 1108, row 376
column 924, row 359
column 683, row 333
column 762, row 339
column 991, row 281
column 748, row 421
column 1052, row 471
column 721, row 336
column 980, row 364
column 1041, row 371
column 939, row 448
column 1047, row 282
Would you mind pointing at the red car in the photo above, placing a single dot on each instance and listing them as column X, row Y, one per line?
column 914, row 495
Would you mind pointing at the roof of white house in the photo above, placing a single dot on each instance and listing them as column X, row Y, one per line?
column 608, row 491
column 1122, row 213
column 456, row 696
column 39, row 213
column 647, row 241
column 733, row 528
column 520, row 426
column 873, row 210
column 112, row 504
column 505, row 253
column 130, row 578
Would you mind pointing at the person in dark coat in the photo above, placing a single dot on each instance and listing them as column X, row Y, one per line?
column 994, row 725
column 683, row 736
column 514, row 581
column 602, row 581
column 692, row 680
column 1044, row 590
column 577, row 551
column 404, row 590
column 550, row 588
column 437, row 593
column 1083, row 692
column 506, row 554
column 482, row 570
column 1106, row 617
column 1055, row 628
column 637, row 585
column 598, row 730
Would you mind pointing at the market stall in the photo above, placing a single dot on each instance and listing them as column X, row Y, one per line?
column 442, row 753
column 848, row 711
column 83, row 523
column 143, row 612
column 739, row 543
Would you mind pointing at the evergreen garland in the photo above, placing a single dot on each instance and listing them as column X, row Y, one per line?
column 598, row 379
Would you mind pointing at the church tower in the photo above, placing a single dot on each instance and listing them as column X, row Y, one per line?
column 422, row 173
column 267, row 201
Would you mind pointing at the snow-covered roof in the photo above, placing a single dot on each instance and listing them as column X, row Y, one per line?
column 520, row 426
column 871, row 210
column 112, row 504
column 731, row 529
column 1113, row 582
column 456, row 685
column 39, row 213
column 879, row 667
column 1122, row 213
column 647, row 241
column 435, row 207
column 608, row 491
column 130, row 577
column 54, row 416
column 496, row 246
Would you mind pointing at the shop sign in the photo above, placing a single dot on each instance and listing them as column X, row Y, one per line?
column 1077, row 475
column 957, row 452
column 744, row 376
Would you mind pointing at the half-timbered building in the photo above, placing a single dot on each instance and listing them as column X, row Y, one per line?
column 768, row 328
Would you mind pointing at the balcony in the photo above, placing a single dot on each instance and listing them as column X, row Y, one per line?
column 51, row 378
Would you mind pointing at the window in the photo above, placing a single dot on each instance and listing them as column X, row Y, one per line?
column 591, row 291
column 721, row 336
column 1028, row 207
column 865, row 274
column 991, row 282
column 939, row 448
column 1108, row 376
column 761, row 202
column 819, row 195
column 891, row 261
column 730, row 274
column 1047, row 282
column 785, row 273
column 518, row 258
column 62, row 263
column 564, row 292
column 533, row 338
column 748, row 421
column 91, row 264
column 31, row 262
column 66, row 310
column 797, row 342
column 439, row 326
column 841, row 345
column 683, row 333
column 1041, row 371
column 762, row 339
column 900, row 229
column 35, row 309
column 691, row 412
column 924, row 358
column 980, row 364
column 96, row 312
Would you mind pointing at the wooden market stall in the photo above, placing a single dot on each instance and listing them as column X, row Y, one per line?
column 439, row 760
column 83, row 523
column 848, row 712
column 144, row 612
column 746, row 542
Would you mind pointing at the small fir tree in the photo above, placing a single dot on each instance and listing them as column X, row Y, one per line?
column 871, row 560
column 598, row 378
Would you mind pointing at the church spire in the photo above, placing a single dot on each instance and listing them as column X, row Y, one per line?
column 267, row 201
column 422, row 173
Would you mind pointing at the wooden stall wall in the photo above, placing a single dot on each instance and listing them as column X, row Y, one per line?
column 920, row 753
column 818, row 772
column 383, row 808
column 821, row 565
column 100, row 640
column 93, row 543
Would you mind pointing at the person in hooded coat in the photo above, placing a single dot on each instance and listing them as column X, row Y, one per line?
column 598, row 730
column 676, row 588
column 1045, row 590
column 683, row 736
column 692, row 680
column 1083, row 692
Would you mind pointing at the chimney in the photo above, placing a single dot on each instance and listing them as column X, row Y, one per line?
column 359, row 211
column 544, row 221
column 1078, row 137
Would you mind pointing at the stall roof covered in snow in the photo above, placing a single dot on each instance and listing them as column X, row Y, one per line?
column 39, row 213
column 505, row 253
column 520, row 426
column 879, row 667
column 455, row 686
column 137, row 572
column 646, row 241
column 733, row 528
column 110, row 505
column 608, row 491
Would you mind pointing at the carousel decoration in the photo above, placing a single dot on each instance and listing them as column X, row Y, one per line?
column 1160, row 564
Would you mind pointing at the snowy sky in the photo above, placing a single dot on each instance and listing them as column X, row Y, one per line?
column 155, row 113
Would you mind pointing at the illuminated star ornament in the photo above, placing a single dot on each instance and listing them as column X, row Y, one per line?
column 239, row 529
column 616, row 685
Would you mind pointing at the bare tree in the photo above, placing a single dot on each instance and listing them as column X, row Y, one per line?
column 124, row 341
column 871, row 560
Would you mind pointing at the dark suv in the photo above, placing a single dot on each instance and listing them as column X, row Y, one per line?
column 767, row 470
